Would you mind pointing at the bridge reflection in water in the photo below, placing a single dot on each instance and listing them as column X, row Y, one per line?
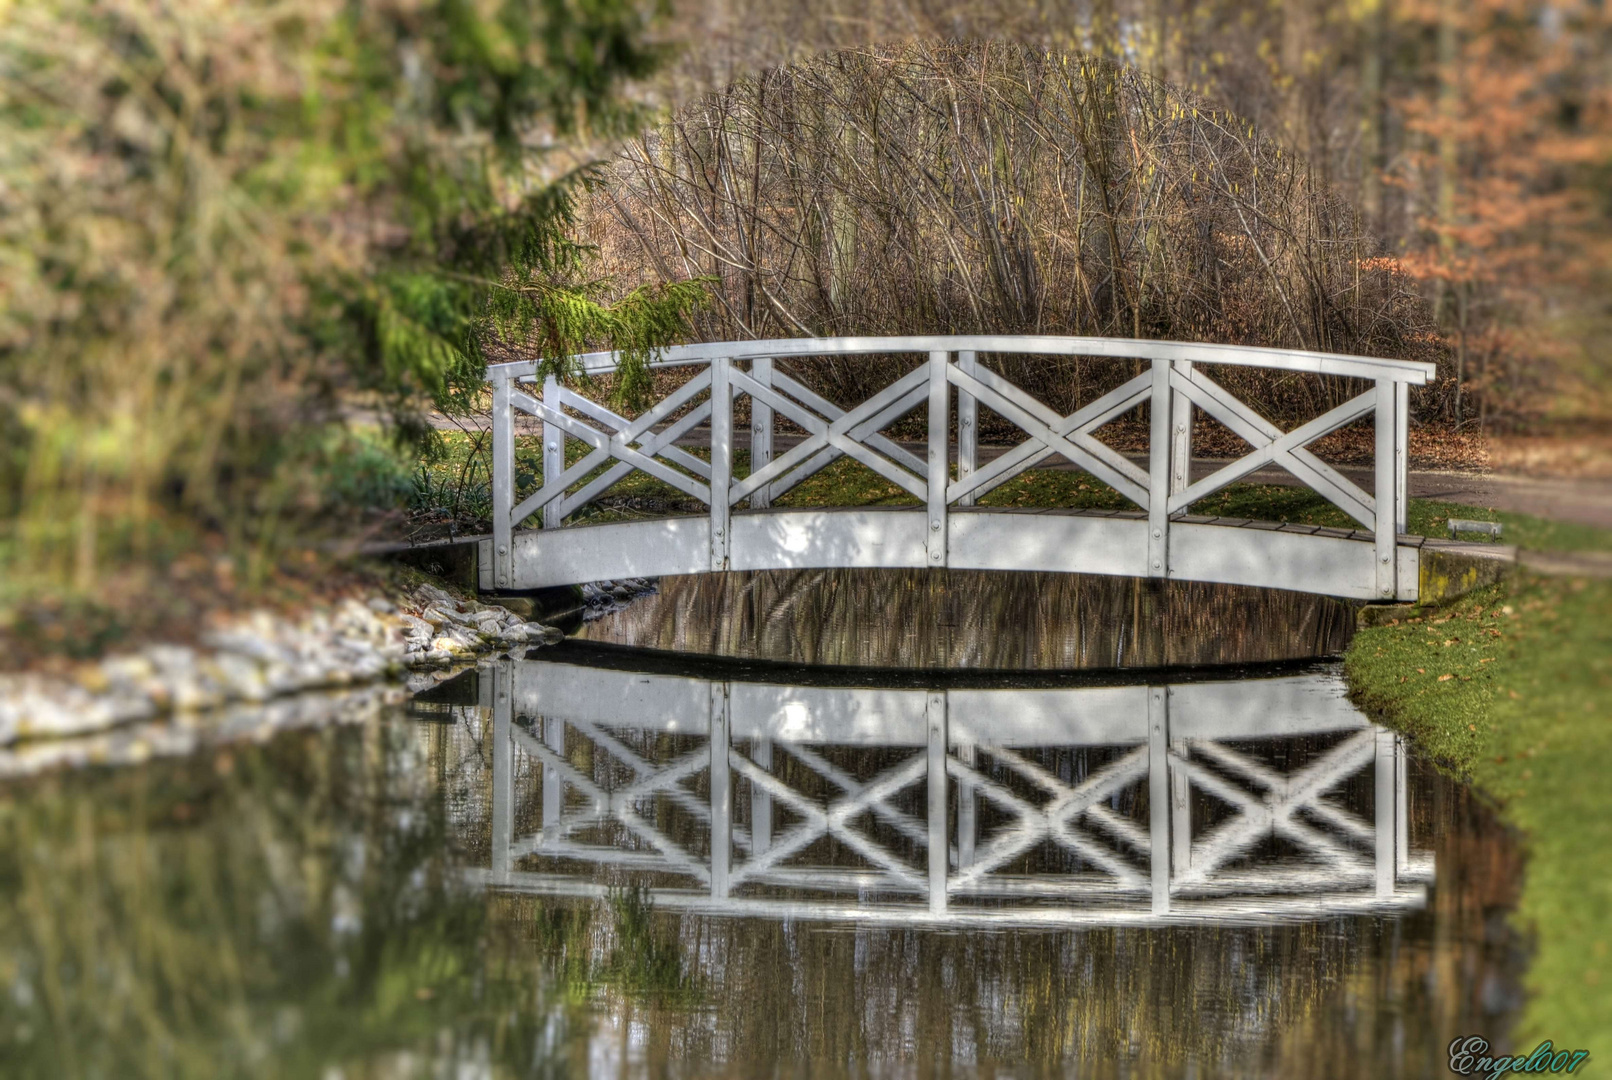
column 1243, row 801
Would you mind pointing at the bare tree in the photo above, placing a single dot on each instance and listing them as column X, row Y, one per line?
column 987, row 187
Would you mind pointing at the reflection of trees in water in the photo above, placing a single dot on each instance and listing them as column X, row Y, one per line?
column 268, row 910
column 1345, row 997
column 977, row 619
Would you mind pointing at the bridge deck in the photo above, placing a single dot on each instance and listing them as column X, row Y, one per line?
column 1281, row 707
column 1237, row 551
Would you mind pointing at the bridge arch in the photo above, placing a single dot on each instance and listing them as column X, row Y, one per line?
column 743, row 529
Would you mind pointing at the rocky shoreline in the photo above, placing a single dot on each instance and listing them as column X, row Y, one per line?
column 423, row 635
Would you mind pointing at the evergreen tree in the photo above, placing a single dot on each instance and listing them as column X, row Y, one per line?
column 219, row 221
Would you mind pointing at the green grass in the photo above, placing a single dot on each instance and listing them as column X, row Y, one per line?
column 1510, row 688
column 1429, row 518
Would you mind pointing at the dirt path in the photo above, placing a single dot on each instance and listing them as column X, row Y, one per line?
column 1584, row 501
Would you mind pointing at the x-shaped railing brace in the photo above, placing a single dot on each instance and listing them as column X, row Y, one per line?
column 834, row 820
column 620, row 805
column 1273, row 446
column 1284, row 797
column 620, row 446
column 862, row 429
column 1055, row 820
column 1052, row 434
column 846, row 433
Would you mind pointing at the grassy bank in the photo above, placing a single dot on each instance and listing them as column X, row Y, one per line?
column 1511, row 688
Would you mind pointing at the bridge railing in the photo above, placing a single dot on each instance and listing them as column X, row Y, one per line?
column 1172, row 385
column 964, row 790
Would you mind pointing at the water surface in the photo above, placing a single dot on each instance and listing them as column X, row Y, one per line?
column 536, row 876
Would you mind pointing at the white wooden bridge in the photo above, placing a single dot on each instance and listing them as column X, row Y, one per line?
column 743, row 530
column 746, row 798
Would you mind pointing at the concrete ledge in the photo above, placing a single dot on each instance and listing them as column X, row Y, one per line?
column 1452, row 568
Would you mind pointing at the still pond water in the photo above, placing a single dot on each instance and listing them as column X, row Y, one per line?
column 594, row 862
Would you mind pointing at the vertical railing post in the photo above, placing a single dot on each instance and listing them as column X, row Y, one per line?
column 1158, row 494
column 939, row 456
column 1158, row 794
column 1180, row 809
column 939, row 846
column 968, row 411
column 721, row 792
column 553, row 781
column 1386, row 831
column 721, row 459
column 1401, row 808
column 760, row 799
column 967, row 810
column 761, row 424
column 1181, row 434
column 503, row 774
column 1386, row 495
column 553, row 452
column 1402, row 456
column 503, row 481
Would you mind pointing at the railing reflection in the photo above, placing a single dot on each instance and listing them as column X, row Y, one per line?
column 1242, row 801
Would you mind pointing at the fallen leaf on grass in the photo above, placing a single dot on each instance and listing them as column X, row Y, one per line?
column 1445, row 678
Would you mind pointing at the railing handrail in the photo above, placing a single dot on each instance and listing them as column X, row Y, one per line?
column 1413, row 372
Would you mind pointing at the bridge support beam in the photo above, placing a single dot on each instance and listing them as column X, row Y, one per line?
column 553, row 782
column 1180, row 807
